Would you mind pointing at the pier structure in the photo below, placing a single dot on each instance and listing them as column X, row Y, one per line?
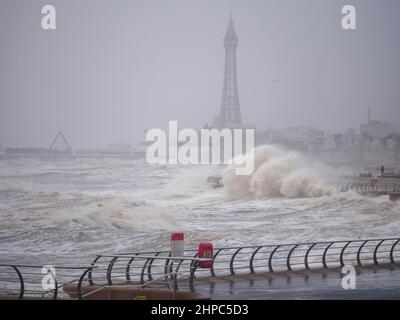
column 60, row 149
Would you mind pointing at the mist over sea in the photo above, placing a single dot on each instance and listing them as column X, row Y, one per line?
column 69, row 211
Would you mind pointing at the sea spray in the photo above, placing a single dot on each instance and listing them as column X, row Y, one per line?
column 276, row 174
column 125, row 206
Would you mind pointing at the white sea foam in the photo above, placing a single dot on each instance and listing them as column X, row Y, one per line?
column 98, row 206
column 120, row 213
column 276, row 174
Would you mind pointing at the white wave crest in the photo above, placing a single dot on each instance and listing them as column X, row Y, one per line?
column 276, row 174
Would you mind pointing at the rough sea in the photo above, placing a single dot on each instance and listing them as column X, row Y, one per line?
column 66, row 212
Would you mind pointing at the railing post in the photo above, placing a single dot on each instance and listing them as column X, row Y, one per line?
column 55, row 294
column 324, row 255
column 128, row 268
column 82, row 277
column 270, row 258
column 175, row 287
column 176, row 274
column 90, row 278
column 232, row 261
column 289, row 267
column 193, row 268
column 192, row 264
column 149, row 275
column 359, row 253
column 376, row 252
column 168, row 266
column 143, row 270
column 109, row 270
column 391, row 251
column 252, row 260
column 306, row 256
column 342, row 253
column 212, row 266
column 21, row 283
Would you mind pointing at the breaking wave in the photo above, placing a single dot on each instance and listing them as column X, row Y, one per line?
column 277, row 173
column 128, row 215
column 54, row 209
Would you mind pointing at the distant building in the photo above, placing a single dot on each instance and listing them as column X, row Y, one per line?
column 378, row 129
column 298, row 137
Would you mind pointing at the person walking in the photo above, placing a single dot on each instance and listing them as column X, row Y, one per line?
column 382, row 170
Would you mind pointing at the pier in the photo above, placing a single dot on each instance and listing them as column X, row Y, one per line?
column 52, row 153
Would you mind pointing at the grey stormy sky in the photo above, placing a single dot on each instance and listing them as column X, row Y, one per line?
column 112, row 69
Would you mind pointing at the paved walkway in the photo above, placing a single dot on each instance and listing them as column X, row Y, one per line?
column 371, row 283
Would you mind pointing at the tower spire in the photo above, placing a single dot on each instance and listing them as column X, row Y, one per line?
column 230, row 106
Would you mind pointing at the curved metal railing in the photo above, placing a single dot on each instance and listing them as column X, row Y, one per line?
column 139, row 267
column 36, row 281
column 147, row 268
column 366, row 187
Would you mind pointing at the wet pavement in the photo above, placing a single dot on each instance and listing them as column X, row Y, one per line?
column 371, row 283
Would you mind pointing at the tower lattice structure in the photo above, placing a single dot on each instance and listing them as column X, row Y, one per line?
column 230, row 105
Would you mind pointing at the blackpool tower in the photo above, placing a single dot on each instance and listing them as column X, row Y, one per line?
column 230, row 107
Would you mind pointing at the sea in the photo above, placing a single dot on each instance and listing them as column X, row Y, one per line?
column 69, row 211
